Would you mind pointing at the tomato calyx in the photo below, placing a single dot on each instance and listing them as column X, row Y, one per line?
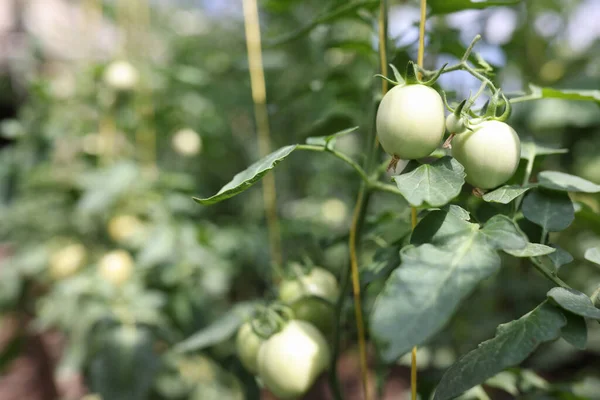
column 268, row 320
column 411, row 76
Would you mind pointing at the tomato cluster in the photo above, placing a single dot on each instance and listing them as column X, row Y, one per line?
column 411, row 122
column 289, row 358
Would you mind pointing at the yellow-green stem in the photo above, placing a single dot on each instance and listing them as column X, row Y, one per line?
column 259, row 97
column 420, row 55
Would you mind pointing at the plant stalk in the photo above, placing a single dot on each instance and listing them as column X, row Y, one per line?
column 413, row 210
column 259, row 97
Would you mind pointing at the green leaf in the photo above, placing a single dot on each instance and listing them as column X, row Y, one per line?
column 513, row 343
column 249, row 176
column 449, row 6
column 553, row 211
column 503, row 233
column 329, row 140
column 565, row 182
column 559, row 258
column 420, row 297
column 575, row 332
column 532, row 250
column 530, row 149
column 218, row 331
column 433, row 184
column 442, row 229
column 538, row 92
column 575, row 302
column 505, row 194
column 592, row 254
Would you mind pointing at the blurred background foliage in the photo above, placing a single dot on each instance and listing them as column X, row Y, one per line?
column 97, row 164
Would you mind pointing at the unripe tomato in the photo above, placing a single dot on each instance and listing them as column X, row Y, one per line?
column 490, row 153
column 121, row 75
column 67, row 261
column 247, row 344
column 455, row 125
column 317, row 311
column 116, row 267
column 290, row 361
column 123, row 228
column 410, row 121
column 187, row 142
column 318, row 282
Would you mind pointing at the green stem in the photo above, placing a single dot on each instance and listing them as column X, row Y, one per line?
column 528, row 97
column 384, row 187
column 337, row 154
column 372, row 183
column 526, row 177
column 548, row 274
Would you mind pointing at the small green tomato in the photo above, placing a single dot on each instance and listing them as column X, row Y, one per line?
column 116, row 267
column 410, row 121
column 290, row 361
column 455, row 125
column 318, row 282
column 67, row 261
column 247, row 344
column 490, row 153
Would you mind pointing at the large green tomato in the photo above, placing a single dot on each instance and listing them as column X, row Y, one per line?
column 317, row 311
column 410, row 121
column 318, row 282
column 490, row 153
column 290, row 361
column 312, row 298
column 247, row 344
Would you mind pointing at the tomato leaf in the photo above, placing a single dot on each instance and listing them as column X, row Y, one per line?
column 575, row 302
column 450, row 258
column 218, row 331
column 532, row 250
column 565, row 182
column 501, row 232
column 329, row 140
column 592, row 254
column 530, row 149
column 514, row 341
column 433, row 184
column 505, row 194
column 575, row 332
column 553, row 211
column 249, row 176
column 538, row 93
column 420, row 297
column 559, row 258
column 449, row 6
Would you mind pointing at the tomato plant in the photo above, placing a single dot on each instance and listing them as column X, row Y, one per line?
column 452, row 200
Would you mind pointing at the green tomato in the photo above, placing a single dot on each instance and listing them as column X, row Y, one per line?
column 67, row 261
column 455, row 125
column 490, row 153
column 410, row 121
column 290, row 361
column 116, row 267
column 318, row 282
column 317, row 311
column 247, row 344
